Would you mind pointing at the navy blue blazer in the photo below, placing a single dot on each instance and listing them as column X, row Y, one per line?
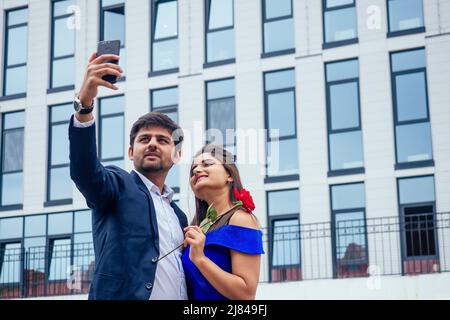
column 124, row 224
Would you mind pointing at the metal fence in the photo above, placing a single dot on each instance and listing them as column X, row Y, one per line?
column 417, row 244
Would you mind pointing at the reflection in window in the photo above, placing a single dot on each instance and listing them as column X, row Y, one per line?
column 59, row 183
column 412, row 124
column 348, row 214
column 405, row 15
column 164, row 35
column 60, row 253
column 63, row 44
column 111, row 126
column 166, row 101
column 15, row 59
column 339, row 21
column 344, row 124
column 12, row 140
column 219, row 30
column 10, row 259
column 278, row 25
column 279, row 97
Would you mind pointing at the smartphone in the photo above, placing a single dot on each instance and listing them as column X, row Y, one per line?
column 109, row 47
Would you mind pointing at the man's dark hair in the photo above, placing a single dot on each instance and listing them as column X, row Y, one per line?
column 157, row 119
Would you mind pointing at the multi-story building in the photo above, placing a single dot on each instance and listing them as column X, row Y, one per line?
column 352, row 173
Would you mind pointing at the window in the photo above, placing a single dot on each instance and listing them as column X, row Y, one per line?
column 278, row 26
column 166, row 101
column 349, row 229
column 220, row 114
column 59, row 185
column 411, row 115
column 340, row 25
column 111, row 128
column 164, row 35
column 417, row 224
column 10, row 260
column 343, row 117
column 284, row 231
column 12, row 140
column 219, row 31
column 405, row 16
column 15, row 59
column 280, row 122
column 63, row 45
column 112, row 25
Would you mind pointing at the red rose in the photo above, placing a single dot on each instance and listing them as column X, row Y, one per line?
column 246, row 198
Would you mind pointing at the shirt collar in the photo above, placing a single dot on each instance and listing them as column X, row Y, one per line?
column 168, row 192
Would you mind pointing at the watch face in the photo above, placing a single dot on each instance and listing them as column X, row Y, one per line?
column 76, row 105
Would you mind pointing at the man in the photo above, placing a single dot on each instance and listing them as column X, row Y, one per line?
column 134, row 219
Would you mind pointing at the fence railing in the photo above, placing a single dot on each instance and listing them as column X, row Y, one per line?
column 416, row 244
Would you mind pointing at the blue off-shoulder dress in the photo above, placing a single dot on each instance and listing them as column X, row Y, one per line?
column 217, row 248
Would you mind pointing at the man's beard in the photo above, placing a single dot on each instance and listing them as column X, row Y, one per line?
column 154, row 167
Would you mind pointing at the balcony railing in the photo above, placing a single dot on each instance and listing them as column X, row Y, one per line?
column 417, row 244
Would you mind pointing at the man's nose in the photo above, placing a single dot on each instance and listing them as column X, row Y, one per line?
column 152, row 143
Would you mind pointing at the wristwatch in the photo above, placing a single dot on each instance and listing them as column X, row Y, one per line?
column 80, row 108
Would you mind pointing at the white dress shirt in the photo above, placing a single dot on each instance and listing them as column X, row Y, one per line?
column 169, row 281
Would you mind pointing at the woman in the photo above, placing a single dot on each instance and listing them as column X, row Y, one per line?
column 224, row 263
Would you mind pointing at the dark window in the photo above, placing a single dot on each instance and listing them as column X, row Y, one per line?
column 343, row 116
column 59, row 186
column 340, row 26
column 279, row 97
column 166, row 101
column 405, row 15
column 164, row 35
column 12, row 140
column 349, row 228
column 112, row 131
column 278, row 25
column 15, row 59
column 219, row 30
column 63, row 44
column 410, row 99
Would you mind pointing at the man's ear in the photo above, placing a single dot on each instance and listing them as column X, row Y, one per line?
column 130, row 153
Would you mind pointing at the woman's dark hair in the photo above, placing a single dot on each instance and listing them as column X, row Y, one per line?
column 157, row 119
column 228, row 161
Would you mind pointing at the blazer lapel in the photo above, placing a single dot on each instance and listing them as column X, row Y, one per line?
column 180, row 214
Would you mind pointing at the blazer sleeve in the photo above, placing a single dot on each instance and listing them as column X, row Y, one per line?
column 99, row 185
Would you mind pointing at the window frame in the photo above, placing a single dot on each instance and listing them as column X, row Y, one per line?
column 333, row 44
column 391, row 34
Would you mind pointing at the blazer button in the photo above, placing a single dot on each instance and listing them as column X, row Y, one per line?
column 148, row 285
column 155, row 259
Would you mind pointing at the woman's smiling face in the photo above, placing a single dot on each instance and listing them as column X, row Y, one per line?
column 207, row 172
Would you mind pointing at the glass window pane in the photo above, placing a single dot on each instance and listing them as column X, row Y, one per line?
column 172, row 115
column 111, row 2
column 12, row 189
column 279, row 35
column 220, row 89
column 283, row 202
column 350, row 238
column 63, row 72
column 405, row 14
column 279, row 80
column 16, row 80
column 413, row 142
column 14, row 120
column 411, row 96
column 59, row 145
column 60, row 259
column 344, row 105
column 64, row 41
column 337, row 3
column 17, row 45
column 342, row 70
column 62, row 113
column 83, row 221
column 35, row 226
column 35, row 245
column 220, row 45
column 62, row 7
column 10, row 268
column 11, row 228
column 340, row 25
column 114, row 24
column 13, row 150
column 282, row 157
column 112, row 137
column 277, row 8
column 60, row 223
column 407, row 60
column 221, row 14
column 416, row 190
column 173, row 178
column 165, row 55
column 221, row 116
column 60, row 184
column 17, row 16
column 286, row 243
column 164, row 97
column 346, row 150
column 281, row 113
column 348, row 196
column 166, row 20
column 82, row 238
column 112, row 105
